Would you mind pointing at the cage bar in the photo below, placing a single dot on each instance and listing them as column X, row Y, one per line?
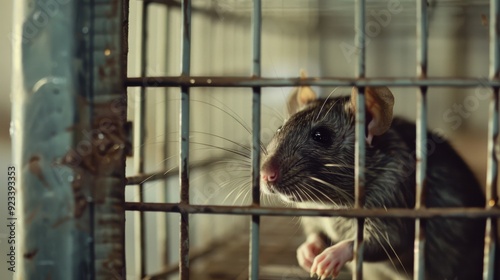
column 215, row 81
column 421, row 141
column 256, row 112
column 184, row 141
column 491, row 190
column 140, row 135
column 359, row 150
column 106, row 164
column 492, row 167
column 453, row 212
column 164, row 232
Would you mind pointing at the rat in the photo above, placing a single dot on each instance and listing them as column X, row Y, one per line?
column 309, row 163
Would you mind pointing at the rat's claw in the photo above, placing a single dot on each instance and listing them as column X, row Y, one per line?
column 332, row 259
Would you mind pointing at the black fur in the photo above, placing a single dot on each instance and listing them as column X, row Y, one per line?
column 454, row 247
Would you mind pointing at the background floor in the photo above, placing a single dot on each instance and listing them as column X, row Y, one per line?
column 280, row 237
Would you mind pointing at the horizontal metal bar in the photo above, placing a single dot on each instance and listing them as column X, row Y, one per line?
column 215, row 81
column 170, row 3
column 455, row 212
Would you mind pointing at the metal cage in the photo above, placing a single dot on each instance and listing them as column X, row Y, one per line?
column 73, row 187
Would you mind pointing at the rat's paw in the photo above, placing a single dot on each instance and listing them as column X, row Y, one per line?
column 309, row 250
column 332, row 259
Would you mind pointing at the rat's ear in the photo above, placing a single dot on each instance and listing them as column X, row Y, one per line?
column 378, row 102
column 300, row 97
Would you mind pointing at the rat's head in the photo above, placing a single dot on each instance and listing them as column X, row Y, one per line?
column 311, row 157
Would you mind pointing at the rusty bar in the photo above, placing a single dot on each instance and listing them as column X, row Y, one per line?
column 105, row 172
column 421, row 141
column 169, row 3
column 184, row 141
column 90, row 95
column 359, row 151
column 348, row 213
column 215, row 81
column 163, row 230
column 140, row 135
column 490, row 244
column 253, row 271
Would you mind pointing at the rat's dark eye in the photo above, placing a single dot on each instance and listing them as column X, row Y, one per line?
column 322, row 135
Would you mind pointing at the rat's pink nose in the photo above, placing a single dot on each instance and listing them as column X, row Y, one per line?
column 269, row 175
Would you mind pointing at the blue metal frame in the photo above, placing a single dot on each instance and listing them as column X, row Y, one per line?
column 70, row 140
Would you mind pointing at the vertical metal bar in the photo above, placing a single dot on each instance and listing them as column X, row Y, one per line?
column 106, row 177
column 184, row 141
column 90, row 96
column 140, row 135
column 492, row 173
column 359, row 27
column 491, row 190
column 256, row 111
column 166, row 231
column 164, row 228
column 421, row 145
column 359, row 182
